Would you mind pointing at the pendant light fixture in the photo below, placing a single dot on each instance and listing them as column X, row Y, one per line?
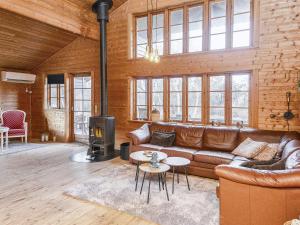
column 151, row 53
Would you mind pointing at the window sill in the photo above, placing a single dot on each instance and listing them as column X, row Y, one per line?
column 207, row 52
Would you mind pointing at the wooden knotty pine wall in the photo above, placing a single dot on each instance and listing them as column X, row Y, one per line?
column 275, row 63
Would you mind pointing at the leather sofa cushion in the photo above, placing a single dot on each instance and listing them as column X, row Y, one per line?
column 220, row 138
column 179, row 152
column 290, row 147
column 213, row 157
column 293, row 161
column 189, row 136
column 145, row 147
column 162, row 127
column 268, row 136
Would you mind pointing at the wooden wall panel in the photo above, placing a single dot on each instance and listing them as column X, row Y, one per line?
column 78, row 57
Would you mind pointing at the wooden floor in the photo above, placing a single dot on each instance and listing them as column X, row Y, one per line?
column 32, row 185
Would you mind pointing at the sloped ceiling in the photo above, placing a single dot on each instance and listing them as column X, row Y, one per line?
column 25, row 43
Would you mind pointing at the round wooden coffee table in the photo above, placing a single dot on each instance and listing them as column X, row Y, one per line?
column 176, row 162
column 160, row 171
column 141, row 157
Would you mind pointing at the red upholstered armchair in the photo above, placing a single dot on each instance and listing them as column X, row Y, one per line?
column 15, row 121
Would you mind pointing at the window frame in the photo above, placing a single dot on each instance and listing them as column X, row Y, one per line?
column 205, row 97
column 58, row 96
column 206, row 22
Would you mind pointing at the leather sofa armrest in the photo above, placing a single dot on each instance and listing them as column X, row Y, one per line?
column 140, row 135
column 263, row 178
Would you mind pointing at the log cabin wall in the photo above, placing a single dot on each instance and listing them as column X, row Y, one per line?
column 14, row 96
column 274, row 61
column 80, row 56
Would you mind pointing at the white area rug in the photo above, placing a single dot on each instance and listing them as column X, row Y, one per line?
column 15, row 147
column 114, row 187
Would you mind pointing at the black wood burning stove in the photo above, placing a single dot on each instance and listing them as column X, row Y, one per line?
column 102, row 128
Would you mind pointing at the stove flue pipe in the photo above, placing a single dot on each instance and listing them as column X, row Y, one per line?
column 101, row 8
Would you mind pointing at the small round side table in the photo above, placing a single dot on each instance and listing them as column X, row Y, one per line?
column 140, row 157
column 160, row 171
column 174, row 163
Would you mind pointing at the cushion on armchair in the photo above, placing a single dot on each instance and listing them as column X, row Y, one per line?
column 141, row 135
column 13, row 119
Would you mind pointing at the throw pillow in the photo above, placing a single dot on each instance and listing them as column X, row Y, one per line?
column 281, row 147
column 267, row 153
column 249, row 148
column 163, row 139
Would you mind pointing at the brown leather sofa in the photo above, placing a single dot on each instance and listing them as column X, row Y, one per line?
column 247, row 196
column 261, row 197
column 206, row 146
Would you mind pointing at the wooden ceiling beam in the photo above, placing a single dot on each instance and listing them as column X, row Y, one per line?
column 76, row 18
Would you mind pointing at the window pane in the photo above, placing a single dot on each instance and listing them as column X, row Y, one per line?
column 176, row 47
column 241, row 22
column 195, row 83
column 141, row 112
column 157, row 99
column 194, row 114
column 87, row 94
column 158, row 21
column 176, row 84
column 240, row 82
column 62, row 90
column 141, row 23
column 217, row 42
column 175, row 113
column 158, row 35
column 62, row 103
column 218, row 25
column 141, row 85
column 161, row 111
column 177, row 17
column 195, row 44
column 218, row 9
column 240, row 99
column 194, row 98
column 239, row 115
column 217, row 114
column 175, row 99
column 53, row 102
column 141, row 99
column 142, row 37
column 53, row 90
column 241, row 6
column 195, row 13
column 195, row 29
column 217, row 83
column 217, row 99
column 87, row 82
column 78, row 82
column 241, row 39
column 157, row 85
column 176, row 32
column 159, row 47
column 87, row 106
column 78, row 94
column 141, row 50
column 78, row 106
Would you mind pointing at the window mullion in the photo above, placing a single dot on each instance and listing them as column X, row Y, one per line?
column 229, row 23
column 184, row 99
column 149, row 94
column 185, row 29
column 205, row 99
column 228, row 99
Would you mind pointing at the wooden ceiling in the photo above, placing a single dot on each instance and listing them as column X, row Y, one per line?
column 26, row 43
column 88, row 3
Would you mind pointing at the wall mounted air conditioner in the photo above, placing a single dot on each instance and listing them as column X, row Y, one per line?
column 15, row 77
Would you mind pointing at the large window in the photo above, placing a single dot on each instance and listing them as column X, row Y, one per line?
column 189, row 28
column 141, row 36
column 175, row 86
column 158, row 33
column 203, row 99
column 158, row 96
column 195, row 28
column 217, row 25
column 176, row 31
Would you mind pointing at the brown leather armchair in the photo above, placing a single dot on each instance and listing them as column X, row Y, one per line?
column 259, row 197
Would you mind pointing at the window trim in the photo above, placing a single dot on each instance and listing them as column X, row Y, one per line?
column 205, row 97
column 206, row 27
